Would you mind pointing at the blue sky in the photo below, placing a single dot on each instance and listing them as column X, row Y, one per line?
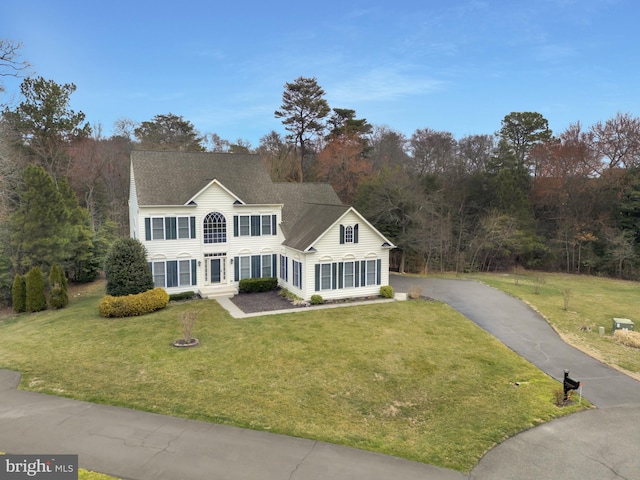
column 452, row 65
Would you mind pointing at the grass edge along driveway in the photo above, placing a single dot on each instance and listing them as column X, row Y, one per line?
column 412, row 379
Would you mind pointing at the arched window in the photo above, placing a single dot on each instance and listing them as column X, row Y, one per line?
column 348, row 234
column 215, row 228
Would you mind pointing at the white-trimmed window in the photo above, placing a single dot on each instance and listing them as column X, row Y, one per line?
column 266, row 224
column 244, row 222
column 245, row 267
column 169, row 228
column 348, row 234
column 157, row 228
column 372, row 272
column 265, row 270
column 215, row 228
column 325, row 276
column 173, row 273
column 297, row 273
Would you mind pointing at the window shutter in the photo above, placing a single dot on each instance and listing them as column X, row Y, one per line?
column 194, row 270
column 147, row 228
column 300, row 275
column 236, row 268
column 378, row 272
column 334, row 276
column 356, row 274
column 341, row 234
column 317, row 277
column 363, row 273
column 341, row 275
column 355, row 233
column 235, row 225
column 273, row 224
column 274, row 265
column 192, row 224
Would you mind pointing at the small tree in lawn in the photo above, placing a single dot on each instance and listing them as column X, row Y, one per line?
column 58, row 296
column 19, row 294
column 35, row 297
column 126, row 268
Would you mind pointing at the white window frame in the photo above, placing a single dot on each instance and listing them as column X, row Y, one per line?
column 244, row 230
column 368, row 272
column 297, row 273
column 324, row 277
column 348, row 234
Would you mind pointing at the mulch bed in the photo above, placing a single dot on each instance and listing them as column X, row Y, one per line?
column 269, row 301
column 261, row 302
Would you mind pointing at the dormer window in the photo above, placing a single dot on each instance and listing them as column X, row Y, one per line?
column 349, row 233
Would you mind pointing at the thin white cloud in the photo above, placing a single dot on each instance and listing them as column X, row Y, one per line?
column 382, row 84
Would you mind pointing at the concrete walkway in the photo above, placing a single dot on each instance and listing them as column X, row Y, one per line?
column 596, row 444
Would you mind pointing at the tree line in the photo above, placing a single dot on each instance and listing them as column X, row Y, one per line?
column 520, row 197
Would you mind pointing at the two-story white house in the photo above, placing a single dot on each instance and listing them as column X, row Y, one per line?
column 209, row 220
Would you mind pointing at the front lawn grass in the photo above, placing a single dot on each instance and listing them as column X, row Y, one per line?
column 413, row 379
column 592, row 302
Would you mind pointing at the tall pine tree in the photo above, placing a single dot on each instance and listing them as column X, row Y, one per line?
column 38, row 227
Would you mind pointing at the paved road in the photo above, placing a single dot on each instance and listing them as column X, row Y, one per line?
column 597, row 444
column 144, row 446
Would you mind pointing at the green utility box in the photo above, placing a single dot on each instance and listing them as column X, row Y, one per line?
column 622, row 324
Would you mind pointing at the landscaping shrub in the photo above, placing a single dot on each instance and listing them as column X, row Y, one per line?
column 316, row 300
column 58, row 296
column 19, row 294
column 627, row 337
column 175, row 297
column 252, row 285
column 134, row 305
column 35, row 300
column 386, row 291
column 126, row 268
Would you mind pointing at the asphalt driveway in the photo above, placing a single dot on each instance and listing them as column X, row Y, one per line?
column 596, row 444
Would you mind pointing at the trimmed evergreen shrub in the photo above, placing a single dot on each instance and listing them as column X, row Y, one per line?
column 35, row 299
column 19, row 294
column 251, row 285
column 316, row 300
column 126, row 268
column 133, row 305
column 58, row 296
column 386, row 291
column 175, row 297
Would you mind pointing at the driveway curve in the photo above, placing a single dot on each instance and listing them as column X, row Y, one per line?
column 595, row 444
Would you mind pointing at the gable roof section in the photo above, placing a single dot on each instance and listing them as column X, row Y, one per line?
column 296, row 196
column 173, row 178
column 315, row 219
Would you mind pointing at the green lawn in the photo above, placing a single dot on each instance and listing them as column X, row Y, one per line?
column 593, row 302
column 413, row 379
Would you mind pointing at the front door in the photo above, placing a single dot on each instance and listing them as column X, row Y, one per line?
column 215, row 269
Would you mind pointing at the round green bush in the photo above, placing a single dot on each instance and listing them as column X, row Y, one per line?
column 316, row 300
column 386, row 291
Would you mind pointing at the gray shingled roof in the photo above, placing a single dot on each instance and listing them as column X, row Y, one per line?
column 296, row 196
column 314, row 220
column 173, row 178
